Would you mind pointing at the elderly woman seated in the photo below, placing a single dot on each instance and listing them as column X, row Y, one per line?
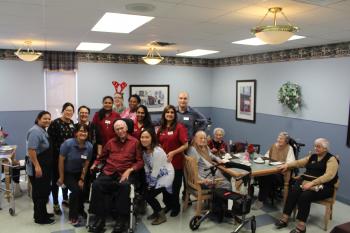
column 217, row 145
column 316, row 184
column 205, row 158
column 279, row 151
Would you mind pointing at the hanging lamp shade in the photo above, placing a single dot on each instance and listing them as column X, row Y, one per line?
column 28, row 54
column 274, row 34
column 153, row 57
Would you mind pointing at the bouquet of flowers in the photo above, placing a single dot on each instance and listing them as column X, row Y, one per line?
column 290, row 95
column 249, row 153
column 3, row 135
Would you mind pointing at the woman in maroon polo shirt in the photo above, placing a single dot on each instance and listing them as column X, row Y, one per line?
column 172, row 136
column 104, row 119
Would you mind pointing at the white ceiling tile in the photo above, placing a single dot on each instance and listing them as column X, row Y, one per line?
column 206, row 24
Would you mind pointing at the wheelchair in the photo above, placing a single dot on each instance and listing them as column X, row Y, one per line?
column 241, row 202
column 134, row 213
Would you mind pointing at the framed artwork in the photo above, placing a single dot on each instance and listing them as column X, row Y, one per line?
column 348, row 139
column 154, row 97
column 246, row 100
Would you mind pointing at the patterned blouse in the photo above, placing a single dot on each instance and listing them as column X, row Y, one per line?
column 159, row 172
column 59, row 131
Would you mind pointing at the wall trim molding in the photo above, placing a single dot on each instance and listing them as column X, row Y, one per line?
column 299, row 54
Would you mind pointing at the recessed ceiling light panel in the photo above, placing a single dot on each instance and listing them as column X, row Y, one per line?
column 196, row 53
column 88, row 46
column 120, row 23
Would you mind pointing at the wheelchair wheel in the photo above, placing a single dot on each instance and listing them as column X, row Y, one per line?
column 253, row 225
column 194, row 223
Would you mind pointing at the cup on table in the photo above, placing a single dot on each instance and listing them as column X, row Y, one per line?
column 267, row 161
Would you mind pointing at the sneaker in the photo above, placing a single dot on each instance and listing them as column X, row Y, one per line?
column 57, row 210
column 257, row 205
column 65, row 203
column 161, row 218
column 46, row 221
column 152, row 216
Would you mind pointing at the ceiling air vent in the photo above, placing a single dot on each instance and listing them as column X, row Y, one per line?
column 162, row 44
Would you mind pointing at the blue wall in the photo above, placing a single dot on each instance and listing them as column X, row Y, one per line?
column 267, row 127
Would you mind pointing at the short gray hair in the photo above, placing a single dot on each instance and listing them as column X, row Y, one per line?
column 284, row 134
column 323, row 142
column 120, row 122
column 219, row 129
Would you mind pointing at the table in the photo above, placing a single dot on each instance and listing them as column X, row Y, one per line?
column 259, row 170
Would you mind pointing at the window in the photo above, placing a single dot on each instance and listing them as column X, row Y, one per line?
column 60, row 87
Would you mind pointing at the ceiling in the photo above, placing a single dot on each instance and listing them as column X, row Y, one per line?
column 61, row 25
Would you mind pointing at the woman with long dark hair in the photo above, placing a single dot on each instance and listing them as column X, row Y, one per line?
column 142, row 121
column 159, row 174
column 172, row 136
column 60, row 130
column 39, row 167
column 104, row 119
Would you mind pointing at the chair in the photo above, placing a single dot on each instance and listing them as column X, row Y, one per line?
column 193, row 185
column 327, row 203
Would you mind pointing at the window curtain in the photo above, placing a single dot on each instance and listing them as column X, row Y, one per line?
column 60, row 61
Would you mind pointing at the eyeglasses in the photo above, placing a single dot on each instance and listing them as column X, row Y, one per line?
column 83, row 113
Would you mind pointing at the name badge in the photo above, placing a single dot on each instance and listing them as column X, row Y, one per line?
column 83, row 157
column 107, row 122
column 186, row 118
column 71, row 126
column 170, row 133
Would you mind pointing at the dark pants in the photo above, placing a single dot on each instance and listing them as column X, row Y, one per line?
column 172, row 201
column 267, row 184
column 41, row 186
column 108, row 193
column 76, row 202
column 150, row 196
column 303, row 199
column 54, row 186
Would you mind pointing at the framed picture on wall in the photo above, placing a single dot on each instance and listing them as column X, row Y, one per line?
column 154, row 97
column 348, row 139
column 246, row 100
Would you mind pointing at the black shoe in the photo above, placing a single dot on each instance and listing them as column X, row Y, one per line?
column 45, row 221
column 280, row 224
column 97, row 226
column 174, row 213
column 50, row 215
column 166, row 209
column 118, row 227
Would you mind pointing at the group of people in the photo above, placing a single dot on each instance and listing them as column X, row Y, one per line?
column 64, row 154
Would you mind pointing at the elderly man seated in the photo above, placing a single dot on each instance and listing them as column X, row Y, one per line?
column 122, row 156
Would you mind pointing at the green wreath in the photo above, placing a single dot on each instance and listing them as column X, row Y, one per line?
column 290, row 95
